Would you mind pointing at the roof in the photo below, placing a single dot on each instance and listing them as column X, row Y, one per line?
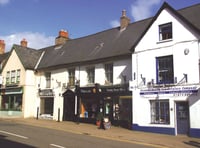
column 28, row 56
column 109, row 44
column 3, row 56
column 103, row 45
column 187, row 15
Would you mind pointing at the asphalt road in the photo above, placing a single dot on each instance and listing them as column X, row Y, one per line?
column 14, row 135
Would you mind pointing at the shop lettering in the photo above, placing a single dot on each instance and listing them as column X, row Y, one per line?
column 178, row 91
column 86, row 91
column 115, row 90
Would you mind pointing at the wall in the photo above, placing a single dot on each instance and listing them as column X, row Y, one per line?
column 144, row 64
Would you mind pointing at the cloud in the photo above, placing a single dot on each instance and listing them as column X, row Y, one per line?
column 114, row 23
column 4, row 2
column 35, row 40
column 141, row 9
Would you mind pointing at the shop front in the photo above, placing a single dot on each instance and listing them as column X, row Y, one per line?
column 117, row 104
column 168, row 110
column 11, row 101
column 46, row 103
column 113, row 102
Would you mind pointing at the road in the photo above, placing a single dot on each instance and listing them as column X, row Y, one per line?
column 25, row 136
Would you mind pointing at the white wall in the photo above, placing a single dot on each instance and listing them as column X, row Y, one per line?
column 144, row 63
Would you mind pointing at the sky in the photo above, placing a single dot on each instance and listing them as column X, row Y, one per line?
column 39, row 21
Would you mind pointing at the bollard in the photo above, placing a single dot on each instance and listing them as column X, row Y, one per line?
column 37, row 113
column 58, row 114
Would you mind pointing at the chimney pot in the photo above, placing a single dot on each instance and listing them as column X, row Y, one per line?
column 123, row 12
column 62, row 37
column 24, row 43
column 124, row 20
column 63, row 33
column 2, row 47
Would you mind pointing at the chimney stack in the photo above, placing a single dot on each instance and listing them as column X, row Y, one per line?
column 62, row 37
column 124, row 20
column 24, row 43
column 2, row 47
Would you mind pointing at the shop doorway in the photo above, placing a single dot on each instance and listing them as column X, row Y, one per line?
column 69, row 106
column 182, row 114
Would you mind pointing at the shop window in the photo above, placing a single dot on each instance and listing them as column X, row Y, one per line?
column 160, row 112
column 71, row 77
column 109, row 73
column 165, row 70
column 89, row 108
column 46, row 106
column 13, row 103
column 48, row 79
column 90, row 75
column 165, row 31
column 8, row 77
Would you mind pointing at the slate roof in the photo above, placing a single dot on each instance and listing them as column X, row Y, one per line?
column 3, row 56
column 28, row 56
column 107, row 44
column 192, row 15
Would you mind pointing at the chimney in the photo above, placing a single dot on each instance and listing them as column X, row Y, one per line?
column 24, row 43
column 62, row 37
column 124, row 20
column 2, row 47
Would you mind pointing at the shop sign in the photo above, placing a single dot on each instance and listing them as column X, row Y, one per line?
column 113, row 89
column 13, row 90
column 46, row 92
column 87, row 90
column 170, row 91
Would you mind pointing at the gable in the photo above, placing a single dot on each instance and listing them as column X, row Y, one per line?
column 181, row 31
column 13, row 62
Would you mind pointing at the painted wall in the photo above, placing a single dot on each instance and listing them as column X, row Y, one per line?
column 59, row 78
column 144, row 65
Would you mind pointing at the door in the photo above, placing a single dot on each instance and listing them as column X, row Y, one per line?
column 182, row 111
column 69, row 109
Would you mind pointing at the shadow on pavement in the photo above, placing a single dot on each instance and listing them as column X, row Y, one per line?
column 9, row 144
column 193, row 143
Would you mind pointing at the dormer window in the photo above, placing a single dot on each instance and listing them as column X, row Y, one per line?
column 165, row 31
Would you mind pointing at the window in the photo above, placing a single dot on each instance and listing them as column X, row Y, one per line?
column 91, row 75
column 109, row 73
column 13, row 76
column 48, row 79
column 165, row 70
column 71, row 77
column 8, row 77
column 18, row 76
column 11, row 102
column 165, row 31
column 160, row 112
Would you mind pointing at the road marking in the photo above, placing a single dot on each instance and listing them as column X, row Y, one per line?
column 13, row 134
column 55, row 145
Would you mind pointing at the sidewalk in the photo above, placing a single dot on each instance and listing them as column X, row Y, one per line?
column 115, row 133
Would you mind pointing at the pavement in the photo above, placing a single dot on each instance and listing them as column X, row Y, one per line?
column 114, row 133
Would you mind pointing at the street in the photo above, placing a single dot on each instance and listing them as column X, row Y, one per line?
column 24, row 136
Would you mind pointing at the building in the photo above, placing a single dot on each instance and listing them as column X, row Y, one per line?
column 78, row 78
column 18, row 93
column 166, row 73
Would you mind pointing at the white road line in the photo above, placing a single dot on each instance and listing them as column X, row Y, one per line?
column 13, row 134
column 55, row 145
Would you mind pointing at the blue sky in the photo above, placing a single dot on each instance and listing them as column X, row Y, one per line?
column 39, row 21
